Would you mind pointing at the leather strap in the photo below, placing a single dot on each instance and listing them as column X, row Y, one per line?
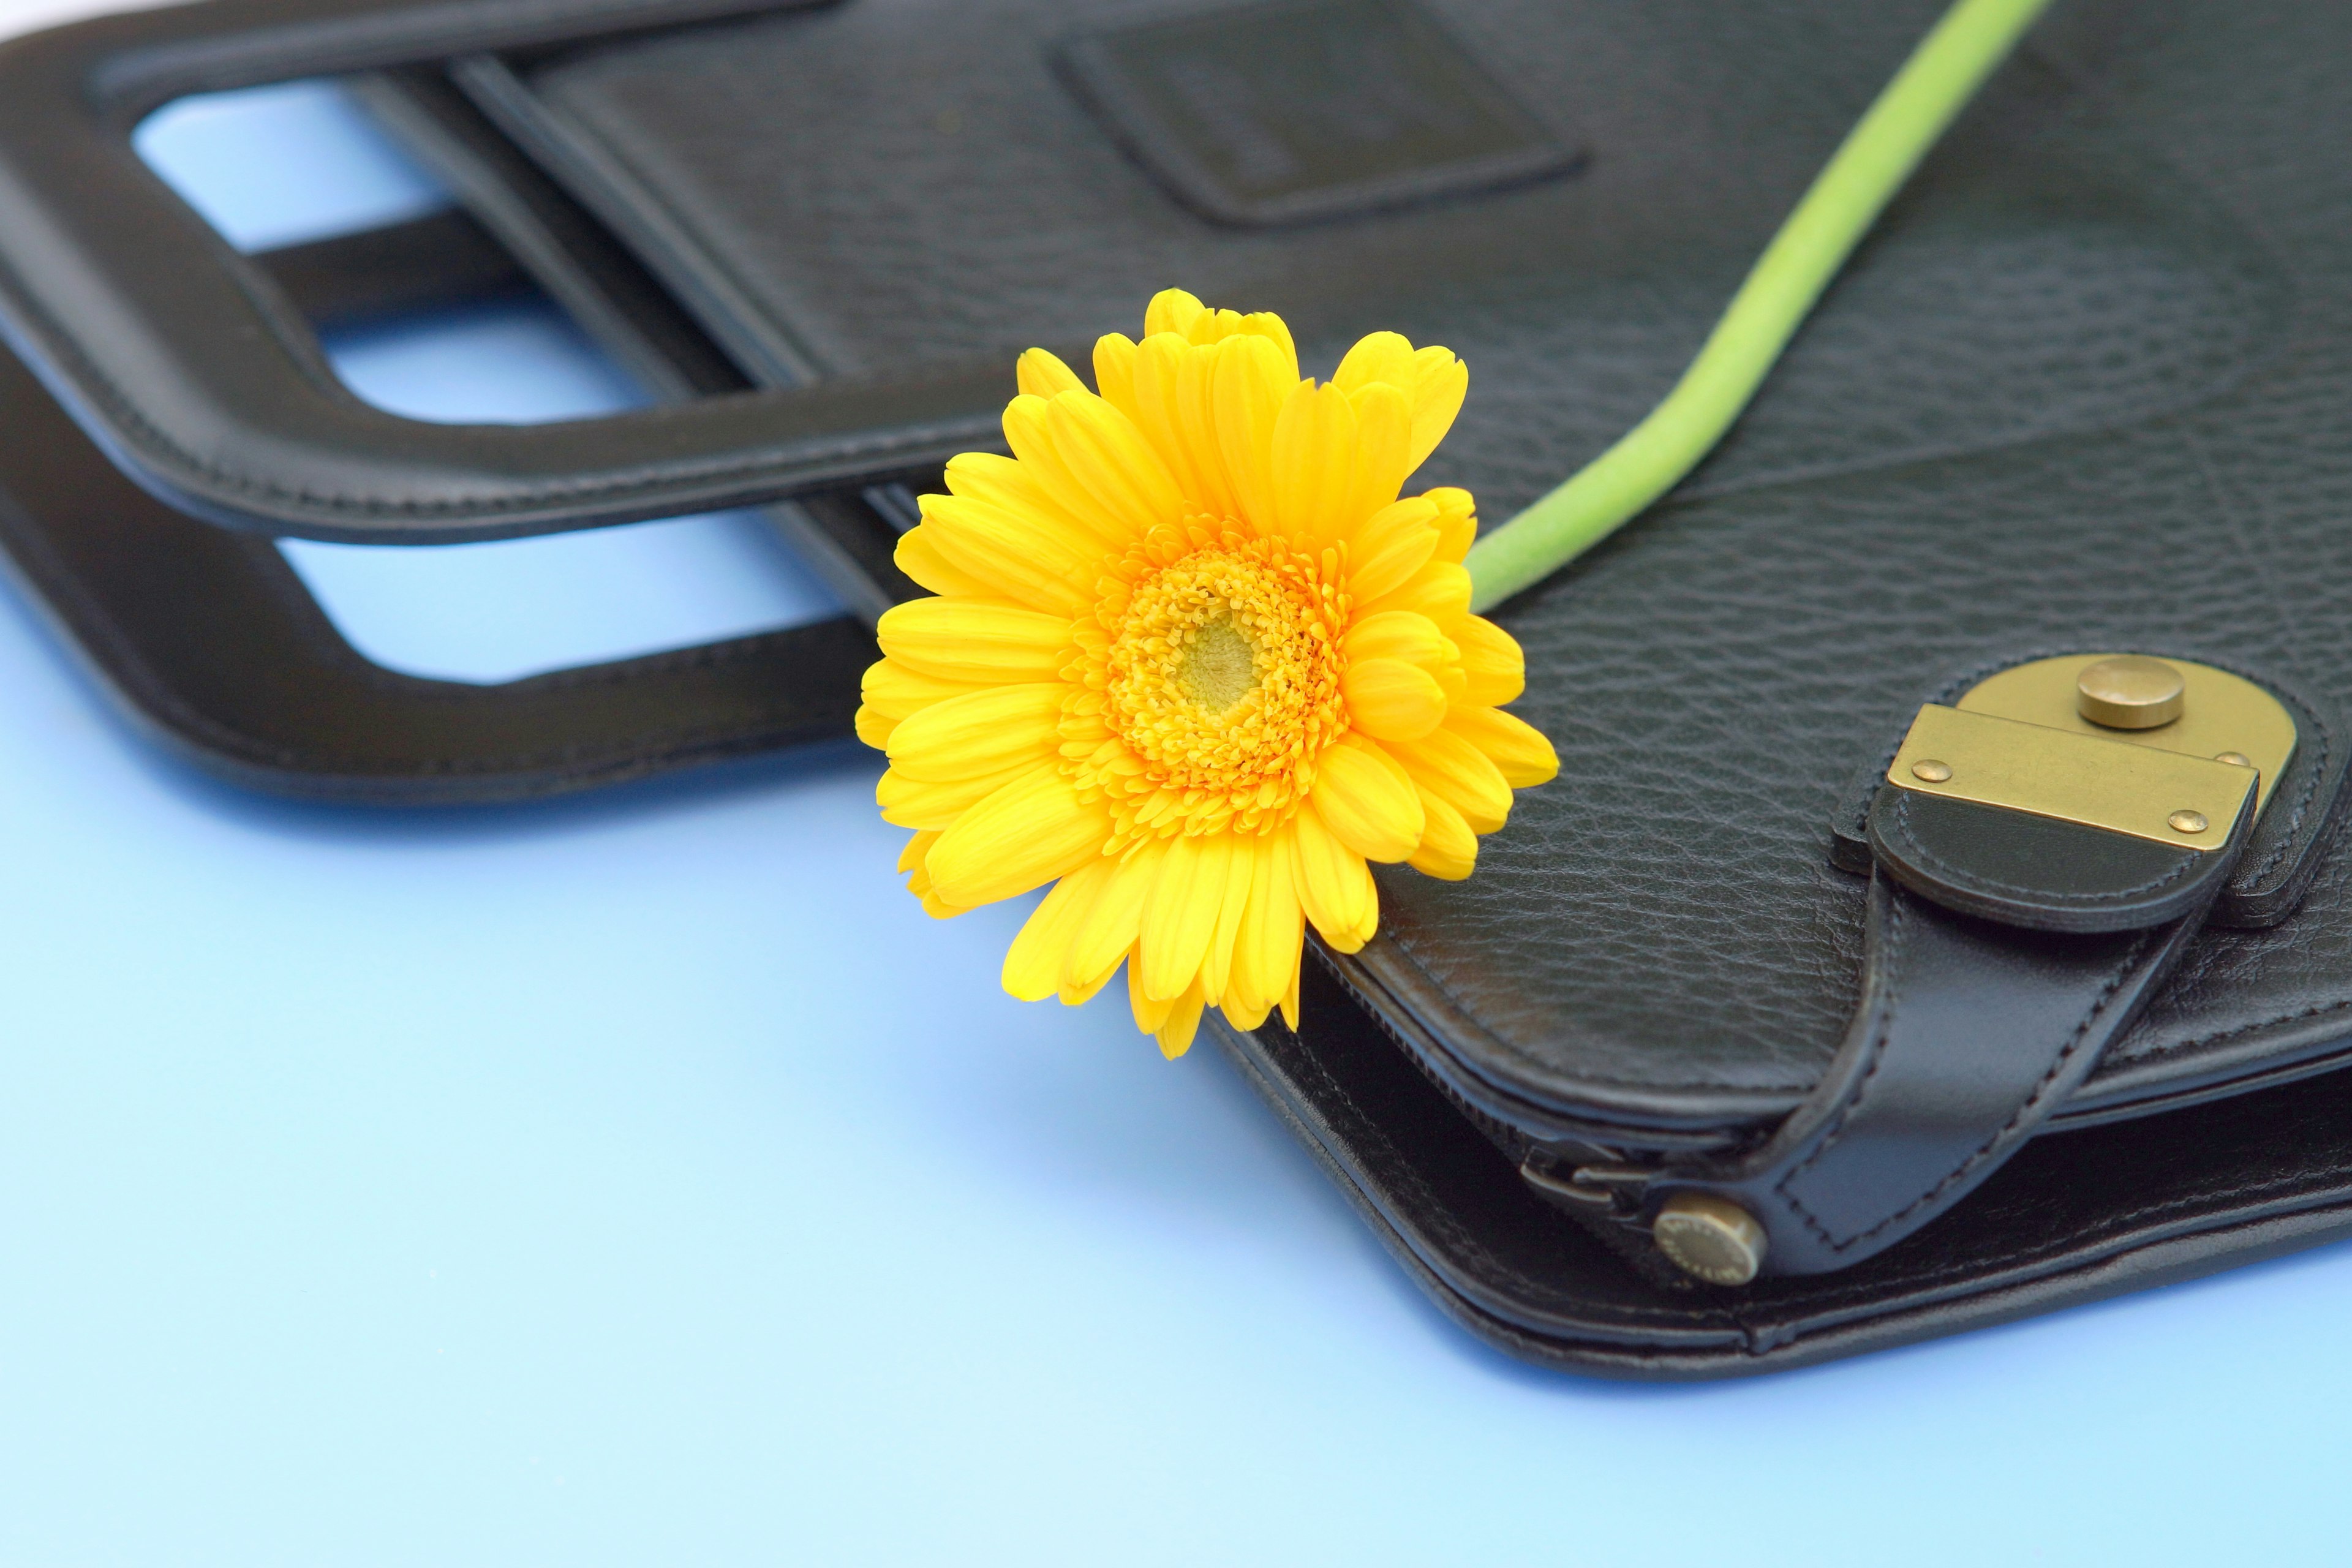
column 1968, row 1036
column 2003, row 951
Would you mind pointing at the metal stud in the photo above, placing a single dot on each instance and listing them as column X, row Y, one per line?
column 2188, row 822
column 1709, row 1238
column 2235, row 759
column 1929, row 769
column 2129, row 693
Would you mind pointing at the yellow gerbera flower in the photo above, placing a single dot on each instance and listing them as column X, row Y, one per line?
column 1193, row 662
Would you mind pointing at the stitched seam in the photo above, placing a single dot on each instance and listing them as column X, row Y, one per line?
column 2107, row 1227
column 1960, row 874
column 2195, row 1042
column 1898, row 942
column 2041, row 1088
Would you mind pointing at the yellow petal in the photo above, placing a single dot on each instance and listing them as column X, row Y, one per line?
column 1112, row 922
column 1433, row 380
column 1171, row 311
column 1290, row 999
column 1378, row 357
column 1181, row 916
column 917, row 554
column 1383, row 447
column 1276, row 331
column 1041, row 564
column 1150, row 1012
column 1027, row 833
column 1492, row 663
column 939, row 908
column 1161, row 374
column 1366, row 798
column 1457, row 772
column 896, row 692
column 1183, row 1021
column 1457, row 521
column 1003, row 483
column 1389, row 699
column 1440, row 381
column 1389, row 548
column 975, row 640
column 929, row 804
column 873, row 727
column 1448, row 850
column 1247, row 392
column 1519, row 753
column 1042, row 374
column 1313, row 472
column 1241, row 875
column 1267, row 943
column 1440, row 590
column 911, row 858
column 1396, row 633
column 1115, row 371
column 1032, row 965
column 1028, row 430
column 980, row 733
column 1335, row 886
column 1107, row 453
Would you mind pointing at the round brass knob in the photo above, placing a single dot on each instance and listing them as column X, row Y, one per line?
column 2129, row 693
column 1709, row 1238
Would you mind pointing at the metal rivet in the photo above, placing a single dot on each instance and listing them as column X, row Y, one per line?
column 1709, row 1238
column 1931, row 769
column 2129, row 693
column 2188, row 822
column 2235, row 759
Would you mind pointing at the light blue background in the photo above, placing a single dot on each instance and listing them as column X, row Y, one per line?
column 643, row 1179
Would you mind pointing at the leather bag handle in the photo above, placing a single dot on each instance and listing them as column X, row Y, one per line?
column 194, row 373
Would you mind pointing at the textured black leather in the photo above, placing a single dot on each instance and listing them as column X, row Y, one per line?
column 189, row 369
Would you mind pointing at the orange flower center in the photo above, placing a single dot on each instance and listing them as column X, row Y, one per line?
column 1219, row 682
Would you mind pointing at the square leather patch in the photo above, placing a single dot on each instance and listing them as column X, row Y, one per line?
column 1296, row 110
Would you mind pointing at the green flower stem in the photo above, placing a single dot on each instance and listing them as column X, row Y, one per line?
column 1934, row 85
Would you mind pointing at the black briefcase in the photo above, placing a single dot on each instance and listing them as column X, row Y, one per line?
column 1934, row 920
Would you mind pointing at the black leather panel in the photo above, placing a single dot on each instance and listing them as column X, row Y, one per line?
column 2072, row 1218
column 2044, row 873
column 874, row 185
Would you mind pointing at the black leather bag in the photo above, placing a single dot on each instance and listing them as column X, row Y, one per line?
column 2082, row 395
